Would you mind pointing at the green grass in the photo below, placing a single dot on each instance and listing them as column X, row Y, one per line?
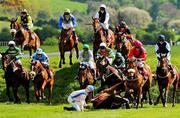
column 4, row 24
column 44, row 111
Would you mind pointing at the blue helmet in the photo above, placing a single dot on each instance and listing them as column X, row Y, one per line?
column 90, row 88
column 161, row 37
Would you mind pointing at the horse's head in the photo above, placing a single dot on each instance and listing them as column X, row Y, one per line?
column 14, row 26
column 6, row 60
column 96, row 24
column 163, row 63
column 36, row 68
column 131, row 73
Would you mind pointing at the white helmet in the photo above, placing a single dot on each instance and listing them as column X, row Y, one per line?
column 12, row 43
column 39, row 51
column 103, row 45
column 103, row 6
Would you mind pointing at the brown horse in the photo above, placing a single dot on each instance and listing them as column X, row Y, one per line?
column 165, row 80
column 134, row 83
column 15, row 78
column 41, row 80
column 67, row 43
column 85, row 76
column 22, row 37
column 123, row 45
column 99, row 36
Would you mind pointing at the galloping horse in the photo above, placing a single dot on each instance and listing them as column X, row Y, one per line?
column 41, row 80
column 85, row 76
column 123, row 45
column 22, row 37
column 134, row 82
column 15, row 78
column 165, row 80
column 67, row 43
column 99, row 36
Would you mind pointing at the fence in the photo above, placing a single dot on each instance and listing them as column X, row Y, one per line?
column 4, row 43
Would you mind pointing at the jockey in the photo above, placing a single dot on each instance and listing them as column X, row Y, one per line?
column 26, row 21
column 86, row 56
column 163, row 47
column 103, row 17
column 138, row 53
column 43, row 58
column 119, row 61
column 78, row 98
column 67, row 21
column 16, row 53
column 122, row 28
column 109, row 55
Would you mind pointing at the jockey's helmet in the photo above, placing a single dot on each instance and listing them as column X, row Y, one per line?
column 11, row 43
column 118, row 55
column 161, row 37
column 122, row 24
column 67, row 11
column 103, row 6
column 24, row 11
column 90, row 88
column 137, row 43
column 39, row 51
column 102, row 45
column 85, row 46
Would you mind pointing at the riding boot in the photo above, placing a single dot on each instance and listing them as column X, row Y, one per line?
column 94, row 73
column 30, row 35
column 107, row 34
column 144, row 73
column 171, row 70
column 69, row 108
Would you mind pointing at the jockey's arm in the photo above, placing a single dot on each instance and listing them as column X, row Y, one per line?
column 107, row 18
column 74, row 21
column 29, row 20
column 60, row 22
column 80, row 56
column 97, row 15
column 18, row 54
column 19, row 19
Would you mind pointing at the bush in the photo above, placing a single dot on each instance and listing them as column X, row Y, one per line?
column 5, row 35
column 51, row 41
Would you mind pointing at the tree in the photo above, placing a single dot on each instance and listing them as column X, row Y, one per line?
column 135, row 17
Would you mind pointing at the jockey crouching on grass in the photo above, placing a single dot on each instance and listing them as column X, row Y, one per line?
column 103, row 17
column 163, row 48
column 78, row 99
column 139, row 55
column 107, row 53
column 67, row 21
column 86, row 56
column 43, row 58
column 16, row 54
column 26, row 21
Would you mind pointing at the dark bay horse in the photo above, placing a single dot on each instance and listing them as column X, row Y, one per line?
column 67, row 43
column 22, row 37
column 85, row 75
column 99, row 36
column 15, row 78
column 41, row 80
column 165, row 80
column 123, row 45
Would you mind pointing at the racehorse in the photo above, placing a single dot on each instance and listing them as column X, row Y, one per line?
column 123, row 45
column 85, row 75
column 133, row 83
column 15, row 78
column 40, row 77
column 165, row 80
column 22, row 37
column 99, row 36
column 67, row 43
column 104, row 71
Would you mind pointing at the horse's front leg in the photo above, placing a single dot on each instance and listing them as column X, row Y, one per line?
column 139, row 92
column 166, row 96
column 8, row 92
column 16, row 96
column 70, row 57
column 60, row 62
column 77, row 51
column 161, row 94
column 43, row 88
column 26, row 87
column 36, row 92
column 150, row 101
column 50, row 92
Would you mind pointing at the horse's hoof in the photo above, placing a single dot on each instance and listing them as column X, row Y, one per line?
column 173, row 105
column 150, row 103
column 71, row 63
column 64, row 62
column 165, row 105
column 155, row 103
column 40, row 98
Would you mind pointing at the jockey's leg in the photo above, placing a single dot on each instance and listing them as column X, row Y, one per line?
column 74, row 36
column 171, row 70
column 142, row 69
column 48, row 71
column 74, row 104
